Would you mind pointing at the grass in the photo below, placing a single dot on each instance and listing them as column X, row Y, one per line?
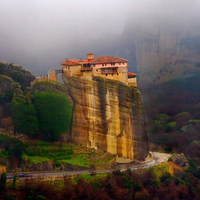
column 160, row 169
column 89, row 177
column 6, row 78
column 39, row 151
column 35, row 159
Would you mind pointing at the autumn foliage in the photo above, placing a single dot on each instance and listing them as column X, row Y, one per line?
column 117, row 185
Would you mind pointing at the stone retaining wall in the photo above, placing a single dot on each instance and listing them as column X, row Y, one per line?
column 44, row 179
column 99, row 157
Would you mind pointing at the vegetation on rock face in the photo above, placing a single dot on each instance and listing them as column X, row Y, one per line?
column 171, row 126
column 24, row 116
column 54, row 114
column 17, row 76
column 11, row 146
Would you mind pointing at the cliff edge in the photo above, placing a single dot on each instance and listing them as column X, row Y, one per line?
column 109, row 115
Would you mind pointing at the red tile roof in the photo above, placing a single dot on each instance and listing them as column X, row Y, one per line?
column 98, row 60
column 70, row 63
column 107, row 59
column 131, row 74
column 85, row 61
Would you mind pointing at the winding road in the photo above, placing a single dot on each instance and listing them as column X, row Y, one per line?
column 157, row 158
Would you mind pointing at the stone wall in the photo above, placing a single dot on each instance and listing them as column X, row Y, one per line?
column 52, row 77
column 72, row 70
column 43, row 179
column 132, row 82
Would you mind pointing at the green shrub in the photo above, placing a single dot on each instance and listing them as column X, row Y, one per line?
column 3, row 183
column 182, row 119
column 54, row 114
column 194, row 121
column 8, row 94
column 2, row 70
column 171, row 126
column 4, row 154
column 57, row 164
column 10, row 197
column 42, row 143
column 17, row 76
column 12, row 146
column 40, row 197
column 24, row 117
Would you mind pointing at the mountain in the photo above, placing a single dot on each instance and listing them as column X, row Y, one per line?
column 162, row 42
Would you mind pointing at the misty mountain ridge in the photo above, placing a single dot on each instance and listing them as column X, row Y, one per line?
column 160, row 38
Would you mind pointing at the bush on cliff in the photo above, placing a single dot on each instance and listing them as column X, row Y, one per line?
column 24, row 117
column 54, row 114
column 11, row 146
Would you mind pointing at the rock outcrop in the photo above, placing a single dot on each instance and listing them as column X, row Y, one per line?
column 17, row 73
column 109, row 115
column 6, row 83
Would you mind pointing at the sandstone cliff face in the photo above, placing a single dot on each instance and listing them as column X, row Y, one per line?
column 108, row 115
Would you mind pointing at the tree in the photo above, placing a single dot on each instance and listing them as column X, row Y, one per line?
column 3, row 184
column 14, row 146
column 54, row 114
column 24, row 116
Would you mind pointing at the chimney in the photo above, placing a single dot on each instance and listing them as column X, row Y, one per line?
column 90, row 56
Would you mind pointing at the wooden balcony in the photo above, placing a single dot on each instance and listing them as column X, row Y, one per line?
column 86, row 69
column 110, row 71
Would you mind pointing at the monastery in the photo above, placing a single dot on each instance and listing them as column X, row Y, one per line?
column 110, row 67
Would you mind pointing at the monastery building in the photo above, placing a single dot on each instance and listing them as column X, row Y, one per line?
column 110, row 67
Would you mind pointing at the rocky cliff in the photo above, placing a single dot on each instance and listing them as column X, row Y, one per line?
column 12, row 76
column 108, row 115
column 17, row 73
column 162, row 42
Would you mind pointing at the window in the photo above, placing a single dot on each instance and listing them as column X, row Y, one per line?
column 102, row 64
column 119, row 63
column 105, row 64
column 112, row 64
column 97, row 70
column 94, row 65
column 68, row 67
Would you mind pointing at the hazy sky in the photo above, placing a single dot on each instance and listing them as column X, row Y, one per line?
column 31, row 27
column 42, row 33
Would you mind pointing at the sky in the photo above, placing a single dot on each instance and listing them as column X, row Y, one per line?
column 40, row 34
column 33, row 29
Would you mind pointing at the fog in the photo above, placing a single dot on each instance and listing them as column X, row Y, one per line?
column 41, row 34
